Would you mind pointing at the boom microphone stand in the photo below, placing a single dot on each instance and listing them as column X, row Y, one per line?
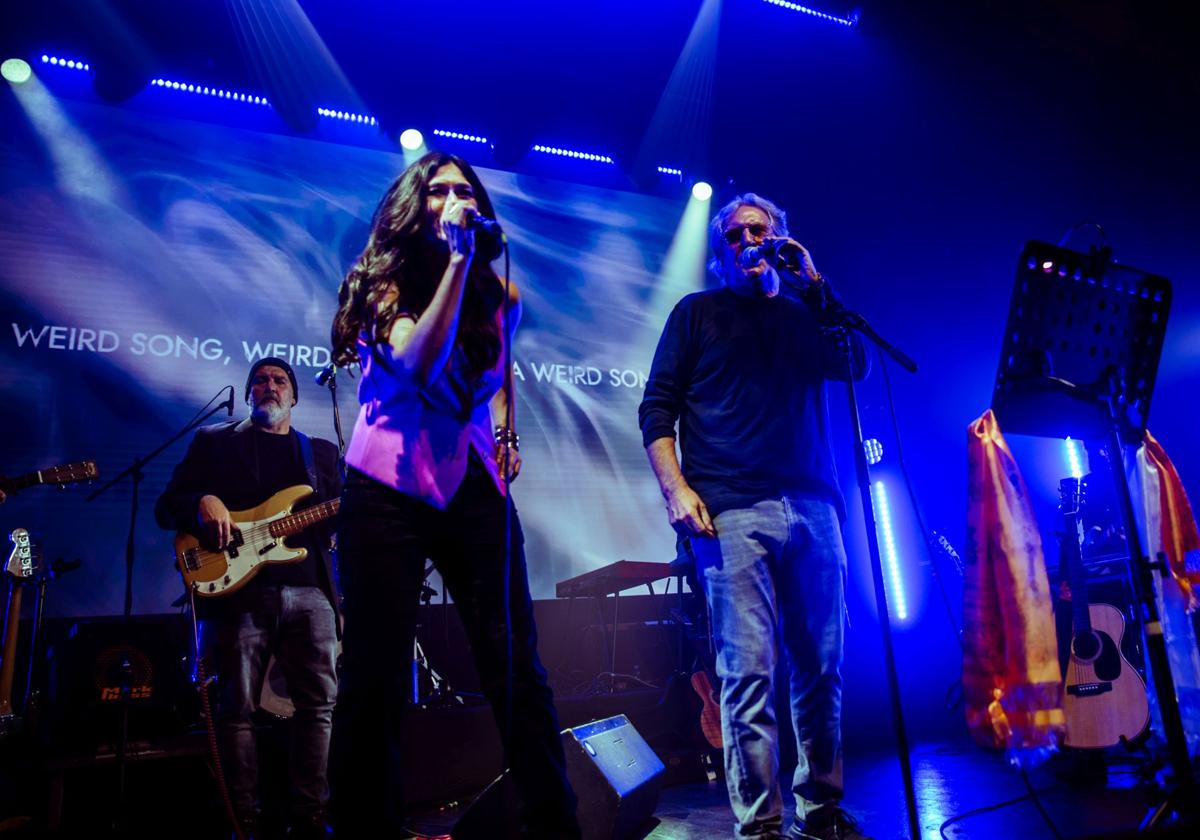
column 328, row 379
column 134, row 471
column 833, row 315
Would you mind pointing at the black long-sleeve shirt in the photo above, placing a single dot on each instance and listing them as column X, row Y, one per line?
column 746, row 379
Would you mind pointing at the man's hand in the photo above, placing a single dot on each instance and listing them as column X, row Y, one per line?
column 796, row 259
column 687, row 512
column 215, row 523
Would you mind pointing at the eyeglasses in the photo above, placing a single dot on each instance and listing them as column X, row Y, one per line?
column 733, row 235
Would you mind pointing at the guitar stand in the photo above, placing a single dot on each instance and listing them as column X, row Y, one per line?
column 1080, row 357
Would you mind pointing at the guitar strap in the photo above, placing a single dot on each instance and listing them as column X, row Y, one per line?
column 306, row 452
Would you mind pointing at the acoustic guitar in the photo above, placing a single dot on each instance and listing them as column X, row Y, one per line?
column 707, row 686
column 61, row 475
column 1104, row 697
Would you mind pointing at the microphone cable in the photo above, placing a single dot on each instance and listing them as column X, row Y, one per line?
column 1031, row 794
column 506, row 727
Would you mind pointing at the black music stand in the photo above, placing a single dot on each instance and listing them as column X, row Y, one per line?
column 1079, row 359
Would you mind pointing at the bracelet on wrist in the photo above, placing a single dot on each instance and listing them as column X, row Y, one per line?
column 505, row 435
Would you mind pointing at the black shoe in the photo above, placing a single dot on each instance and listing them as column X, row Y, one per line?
column 248, row 827
column 313, row 826
column 831, row 822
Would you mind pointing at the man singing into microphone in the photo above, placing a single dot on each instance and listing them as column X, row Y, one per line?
column 743, row 370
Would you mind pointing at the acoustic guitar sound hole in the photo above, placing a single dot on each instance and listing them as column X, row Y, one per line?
column 1086, row 645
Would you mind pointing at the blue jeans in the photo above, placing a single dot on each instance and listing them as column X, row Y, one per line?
column 776, row 570
column 297, row 625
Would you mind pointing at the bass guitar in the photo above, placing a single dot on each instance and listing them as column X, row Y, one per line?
column 23, row 563
column 258, row 539
column 1104, row 698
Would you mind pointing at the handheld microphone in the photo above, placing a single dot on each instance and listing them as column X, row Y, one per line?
column 326, row 374
column 776, row 252
column 489, row 226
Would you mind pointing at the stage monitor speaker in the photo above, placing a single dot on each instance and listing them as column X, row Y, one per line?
column 615, row 774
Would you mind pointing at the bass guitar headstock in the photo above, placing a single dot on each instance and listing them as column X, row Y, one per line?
column 25, row 561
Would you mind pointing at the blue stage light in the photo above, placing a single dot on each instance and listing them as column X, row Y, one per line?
column 887, row 548
column 69, row 63
column 346, row 115
column 16, row 70
column 796, row 7
column 702, row 191
column 572, row 153
column 670, row 170
column 458, row 135
column 201, row 90
column 874, row 450
column 1074, row 462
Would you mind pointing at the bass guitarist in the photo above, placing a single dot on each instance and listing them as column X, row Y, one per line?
column 289, row 610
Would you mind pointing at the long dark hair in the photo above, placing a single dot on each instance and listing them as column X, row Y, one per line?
column 402, row 253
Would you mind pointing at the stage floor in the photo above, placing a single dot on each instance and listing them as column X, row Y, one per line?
column 953, row 778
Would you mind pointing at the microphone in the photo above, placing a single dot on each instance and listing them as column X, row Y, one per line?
column 776, row 252
column 489, row 226
column 229, row 402
column 326, row 374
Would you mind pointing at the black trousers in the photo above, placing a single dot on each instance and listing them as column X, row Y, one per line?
column 384, row 538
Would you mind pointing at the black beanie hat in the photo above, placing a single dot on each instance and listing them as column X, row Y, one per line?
column 279, row 363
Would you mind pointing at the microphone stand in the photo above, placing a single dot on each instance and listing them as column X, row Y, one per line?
column 328, row 378
column 832, row 313
column 134, row 471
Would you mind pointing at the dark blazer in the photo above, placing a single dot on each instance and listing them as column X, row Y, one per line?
column 220, row 462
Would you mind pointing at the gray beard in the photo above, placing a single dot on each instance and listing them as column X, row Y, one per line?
column 268, row 414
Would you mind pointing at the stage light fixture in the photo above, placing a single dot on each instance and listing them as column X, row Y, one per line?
column 411, row 139
column 874, row 450
column 702, row 191
column 16, row 70
column 68, row 63
column 201, row 90
column 1074, row 462
column 887, row 545
column 346, row 116
column 670, row 170
column 457, row 135
column 572, row 153
column 850, row 21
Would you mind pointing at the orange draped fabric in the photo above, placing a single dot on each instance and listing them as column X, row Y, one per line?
column 1179, row 535
column 1012, row 682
